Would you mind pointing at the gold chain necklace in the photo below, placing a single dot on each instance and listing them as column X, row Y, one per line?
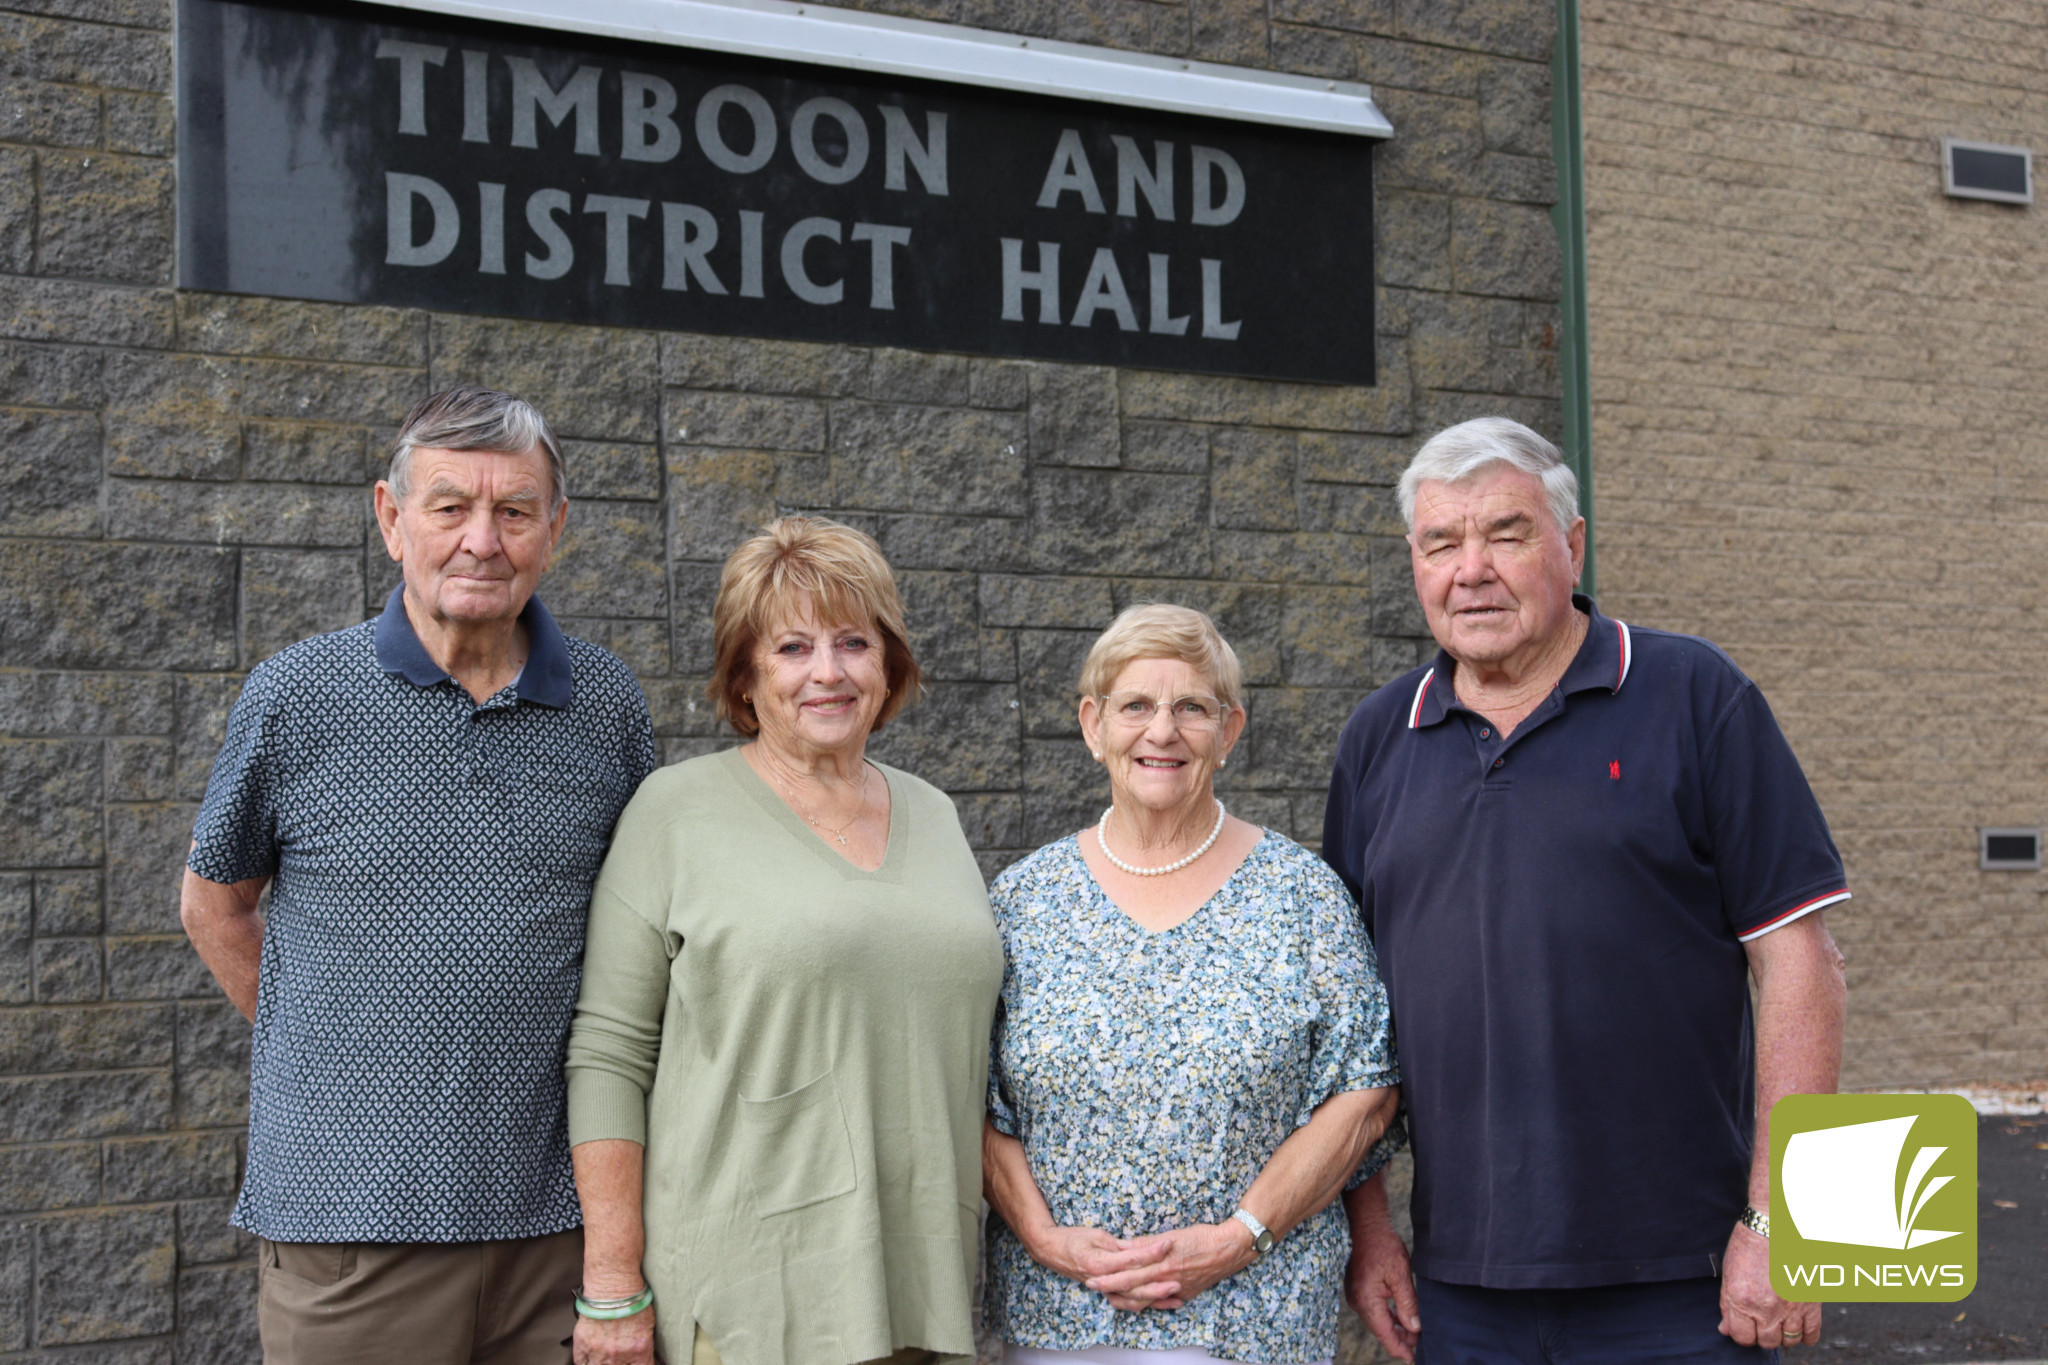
column 817, row 824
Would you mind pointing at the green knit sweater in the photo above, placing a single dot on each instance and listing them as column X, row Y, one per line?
column 803, row 1049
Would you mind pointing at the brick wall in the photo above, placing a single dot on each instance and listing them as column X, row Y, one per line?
column 184, row 492
column 1818, row 394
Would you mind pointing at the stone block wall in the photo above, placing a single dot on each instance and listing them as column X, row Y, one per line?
column 1819, row 393
column 183, row 490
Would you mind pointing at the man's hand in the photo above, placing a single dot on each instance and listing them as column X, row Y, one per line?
column 616, row 1341
column 1378, row 1274
column 1752, row 1314
column 1196, row 1260
column 1801, row 997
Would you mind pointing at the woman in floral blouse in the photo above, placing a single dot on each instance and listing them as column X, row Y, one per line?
column 1192, row 1053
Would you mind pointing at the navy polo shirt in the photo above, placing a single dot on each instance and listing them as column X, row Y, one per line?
column 1560, row 917
column 432, row 861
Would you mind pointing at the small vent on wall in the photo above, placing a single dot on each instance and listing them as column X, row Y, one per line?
column 2009, row 850
column 1984, row 170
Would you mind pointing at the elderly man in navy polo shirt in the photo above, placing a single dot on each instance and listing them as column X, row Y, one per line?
column 428, row 797
column 1574, row 841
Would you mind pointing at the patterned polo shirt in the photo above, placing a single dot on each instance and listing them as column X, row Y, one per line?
column 432, row 861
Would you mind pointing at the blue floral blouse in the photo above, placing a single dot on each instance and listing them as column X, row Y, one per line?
column 1151, row 1076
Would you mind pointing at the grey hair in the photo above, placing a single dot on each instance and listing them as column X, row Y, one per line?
column 471, row 417
column 1457, row 453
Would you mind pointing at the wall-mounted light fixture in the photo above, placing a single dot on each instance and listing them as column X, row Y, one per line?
column 2009, row 850
column 1985, row 170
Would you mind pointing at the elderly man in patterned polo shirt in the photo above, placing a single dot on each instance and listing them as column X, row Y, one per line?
column 428, row 797
column 1574, row 843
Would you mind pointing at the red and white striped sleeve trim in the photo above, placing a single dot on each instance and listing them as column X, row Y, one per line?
column 1415, row 707
column 1798, row 911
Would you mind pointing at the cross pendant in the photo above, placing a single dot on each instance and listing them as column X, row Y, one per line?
column 841, row 838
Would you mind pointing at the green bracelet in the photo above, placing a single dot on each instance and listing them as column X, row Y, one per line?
column 606, row 1310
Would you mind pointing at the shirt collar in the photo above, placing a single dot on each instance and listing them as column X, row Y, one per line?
column 547, row 680
column 1602, row 661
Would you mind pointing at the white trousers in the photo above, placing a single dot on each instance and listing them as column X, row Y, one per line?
column 1115, row 1355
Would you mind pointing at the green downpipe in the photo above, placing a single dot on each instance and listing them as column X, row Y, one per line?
column 1568, row 217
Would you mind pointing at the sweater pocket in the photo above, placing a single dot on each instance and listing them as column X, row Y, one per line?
column 798, row 1150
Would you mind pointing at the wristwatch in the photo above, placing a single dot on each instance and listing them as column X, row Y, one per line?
column 1758, row 1223
column 1262, row 1240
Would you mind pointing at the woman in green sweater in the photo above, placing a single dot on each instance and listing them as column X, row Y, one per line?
column 779, row 1058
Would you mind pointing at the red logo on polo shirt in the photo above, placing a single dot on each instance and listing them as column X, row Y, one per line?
column 1614, row 770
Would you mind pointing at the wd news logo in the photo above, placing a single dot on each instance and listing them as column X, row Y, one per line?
column 1873, row 1198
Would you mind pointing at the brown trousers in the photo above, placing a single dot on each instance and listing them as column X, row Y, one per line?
column 374, row 1303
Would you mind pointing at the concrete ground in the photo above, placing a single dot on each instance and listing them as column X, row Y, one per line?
column 2006, row 1317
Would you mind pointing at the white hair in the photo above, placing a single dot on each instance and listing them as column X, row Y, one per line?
column 1457, row 453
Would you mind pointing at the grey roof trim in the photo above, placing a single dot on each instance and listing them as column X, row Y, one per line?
column 829, row 36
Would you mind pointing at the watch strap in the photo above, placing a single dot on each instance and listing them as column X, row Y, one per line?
column 1262, row 1240
column 1758, row 1223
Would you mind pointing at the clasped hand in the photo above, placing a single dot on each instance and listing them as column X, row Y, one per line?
column 615, row 1341
column 1163, row 1271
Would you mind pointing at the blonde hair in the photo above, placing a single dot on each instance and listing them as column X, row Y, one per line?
column 1161, row 630
column 765, row 580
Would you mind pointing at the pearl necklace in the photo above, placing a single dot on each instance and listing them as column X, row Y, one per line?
column 1102, row 842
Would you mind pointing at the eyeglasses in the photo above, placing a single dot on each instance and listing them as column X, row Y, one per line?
column 1134, row 711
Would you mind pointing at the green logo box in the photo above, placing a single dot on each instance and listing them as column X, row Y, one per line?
column 1873, row 1198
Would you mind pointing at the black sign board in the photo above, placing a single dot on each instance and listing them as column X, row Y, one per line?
column 369, row 155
